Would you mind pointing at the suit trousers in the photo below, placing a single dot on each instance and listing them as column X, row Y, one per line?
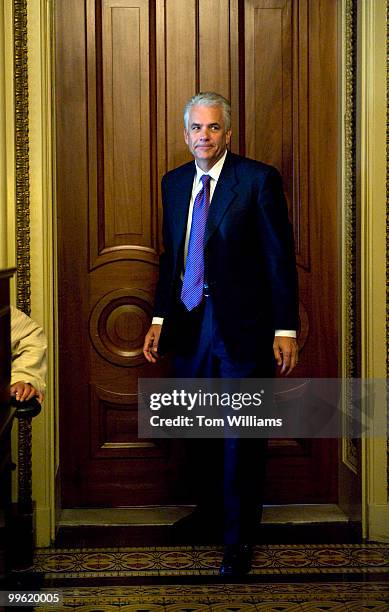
column 229, row 472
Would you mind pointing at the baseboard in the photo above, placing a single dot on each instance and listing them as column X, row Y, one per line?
column 152, row 526
column 378, row 522
column 168, row 515
column 42, row 526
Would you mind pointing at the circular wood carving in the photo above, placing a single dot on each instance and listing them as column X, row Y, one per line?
column 118, row 325
column 303, row 331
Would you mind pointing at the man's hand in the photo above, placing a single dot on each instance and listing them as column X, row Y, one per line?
column 286, row 353
column 25, row 391
column 150, row 347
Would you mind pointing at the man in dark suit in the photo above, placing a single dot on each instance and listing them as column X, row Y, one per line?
column 226, row 301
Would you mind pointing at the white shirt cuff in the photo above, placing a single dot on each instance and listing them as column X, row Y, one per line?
column 157, row 321
column 290, row 333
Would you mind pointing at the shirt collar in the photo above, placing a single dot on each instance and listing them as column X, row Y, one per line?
column 214, row 172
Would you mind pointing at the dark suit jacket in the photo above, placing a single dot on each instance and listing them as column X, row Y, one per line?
column 249, row 256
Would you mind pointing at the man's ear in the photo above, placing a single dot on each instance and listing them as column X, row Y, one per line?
column 228, row 137
column 186, row 136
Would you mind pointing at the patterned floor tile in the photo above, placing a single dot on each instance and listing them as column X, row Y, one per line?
column 305, row 594
column 179, row 561
column 264, row 597
column 268, row 606
column 370, row 606
column 330, row 606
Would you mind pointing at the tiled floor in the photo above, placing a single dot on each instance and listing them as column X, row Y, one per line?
column 305, row 597
column 160, row 561
column 301, row 578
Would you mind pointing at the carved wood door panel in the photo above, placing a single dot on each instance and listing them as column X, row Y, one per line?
column 124, row 69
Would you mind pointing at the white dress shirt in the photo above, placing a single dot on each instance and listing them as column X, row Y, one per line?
column 214, row 173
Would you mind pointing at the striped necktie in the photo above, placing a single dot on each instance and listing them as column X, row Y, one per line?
column 193, row 283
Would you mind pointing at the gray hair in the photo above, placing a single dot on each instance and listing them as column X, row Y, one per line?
column 209, row 98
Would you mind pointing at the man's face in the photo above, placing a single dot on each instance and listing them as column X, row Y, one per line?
column 206, row 135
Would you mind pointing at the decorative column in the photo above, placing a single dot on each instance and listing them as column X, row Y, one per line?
column 24, row 518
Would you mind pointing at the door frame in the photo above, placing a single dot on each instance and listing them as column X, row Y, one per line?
column 370, row 153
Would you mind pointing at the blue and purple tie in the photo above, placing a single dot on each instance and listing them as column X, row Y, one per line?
column 193, row 283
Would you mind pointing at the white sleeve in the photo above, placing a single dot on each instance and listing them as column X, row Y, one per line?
column 290, row 333
column 157, row 321
column 28, row 351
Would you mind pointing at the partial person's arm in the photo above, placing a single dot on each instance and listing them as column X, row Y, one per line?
column 277, row 237
column 150, row 347
column 28, row 352
column 162, row 294
column 285, row 350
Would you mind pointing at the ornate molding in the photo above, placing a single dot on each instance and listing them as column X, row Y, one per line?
column 350, row 212
column 118, row 323
column 387, row 219
column 22, row 156
column 22, row 192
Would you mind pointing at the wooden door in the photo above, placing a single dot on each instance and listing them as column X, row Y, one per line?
column 124, row 69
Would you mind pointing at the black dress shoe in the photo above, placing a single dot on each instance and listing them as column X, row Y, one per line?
column 236, row 560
